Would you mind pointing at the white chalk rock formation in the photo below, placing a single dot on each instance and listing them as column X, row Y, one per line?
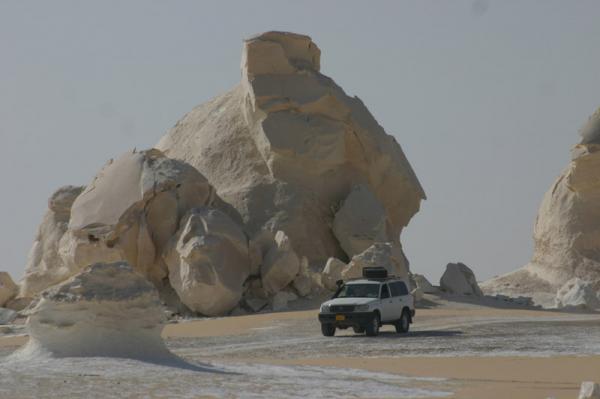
column 44, row 265
column 567, row 228
column 131, row 210
column 381, row 254
column 332, row 272
column 8, row 288
column 280, row 265
column 577, row 293
column 105, row 310
column 286, row 147
column 422, row 283
column 360, row 222
column 7, row 315
column 208, row 261
column 459, row 279
column 589, row 390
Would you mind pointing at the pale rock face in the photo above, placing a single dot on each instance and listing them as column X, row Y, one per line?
column 332, row 272
column 567, row 228
column 7, row 315
column 424, row 284
column 459, row 279
column 8, row 288
column 589, row 390
column 208, row 262
column 105, row 310
column 280, row 265
column 360, row 222
column 287, row 146
column 577, row 293
column 280, row 300
column 387, row 255
column 45, row 266
column 417, row 293
column 131, row 209
column 304, row 282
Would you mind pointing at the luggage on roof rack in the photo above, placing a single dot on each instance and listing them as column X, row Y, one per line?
column 374, row 272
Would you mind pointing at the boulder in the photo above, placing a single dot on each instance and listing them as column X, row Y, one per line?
column 417, row 293
column 589, row 390
column 7, row 315
column 360, row 222
column 105, row 310
column 424, row 284
column 132, row 208
column 332, row 272
column 280, row 300
column 8, row 288
column 287, row 145
column 45, row 266
column 567, row 228
column 577, row 293
column 280, row 265
column 208, row 261
column 382, row 254
column 459, row 279
column 303, row 283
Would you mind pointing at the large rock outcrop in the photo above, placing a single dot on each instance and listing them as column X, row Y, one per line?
column 44, row 265
column 8, row 288
column 286, row 147
column 208, row 261
column 459, row 279
column 105, row 310
column 567, row 228
column 382, row 254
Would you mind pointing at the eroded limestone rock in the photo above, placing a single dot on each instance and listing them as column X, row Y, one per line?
column 459, row 279
column 287, row 146
column 332, row 272
column 381, row 254
column 280, row 265
column 208, row 261
column 8, row 288
column 577, row 293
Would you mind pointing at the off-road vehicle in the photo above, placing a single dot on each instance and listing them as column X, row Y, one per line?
column 366, row 303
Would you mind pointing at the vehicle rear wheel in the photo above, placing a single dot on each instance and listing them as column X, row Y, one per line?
column 403, row 324
column 328, row 330
column 372, row 329
column 358, row 330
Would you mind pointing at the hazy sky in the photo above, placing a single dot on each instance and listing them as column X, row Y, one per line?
column 486, row 99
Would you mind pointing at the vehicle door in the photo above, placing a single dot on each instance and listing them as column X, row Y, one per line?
column 404, row 298
column 396, row 291
column 387, row 303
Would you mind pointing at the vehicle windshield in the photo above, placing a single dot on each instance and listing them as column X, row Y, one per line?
column 359, row 291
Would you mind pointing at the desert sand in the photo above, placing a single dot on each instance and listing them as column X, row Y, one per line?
column 455, row 350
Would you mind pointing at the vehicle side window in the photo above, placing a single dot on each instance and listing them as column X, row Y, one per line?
column 385, row 293
column 395, row 289
column 402, row 288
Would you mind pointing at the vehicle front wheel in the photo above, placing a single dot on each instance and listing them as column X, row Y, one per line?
column 403, row 324
column 372, row 329
column 328, row 330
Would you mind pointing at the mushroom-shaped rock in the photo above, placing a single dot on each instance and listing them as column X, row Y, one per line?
column 280, row 265
column 360, row 222
column 332, row 272
column 577, row 293
column 132, row 208
column 208, row 261
column 459, row 279
column 567, row 227
column 105, row 310
column 8, row 288
column 45, row 266
column 381, row 254
column 287, row 145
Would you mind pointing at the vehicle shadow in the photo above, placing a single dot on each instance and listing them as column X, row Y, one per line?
column 410, row 334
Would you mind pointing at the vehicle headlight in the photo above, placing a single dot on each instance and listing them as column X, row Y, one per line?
column 324, row 308
column 361, row 308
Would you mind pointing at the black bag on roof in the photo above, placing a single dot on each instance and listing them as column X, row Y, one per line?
column 374, row 272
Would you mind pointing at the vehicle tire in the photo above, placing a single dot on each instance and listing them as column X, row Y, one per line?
column 403, row 324
column 328, row 330
column 372, row 329
column 358, row 330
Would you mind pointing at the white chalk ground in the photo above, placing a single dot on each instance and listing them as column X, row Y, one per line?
column 233, row 366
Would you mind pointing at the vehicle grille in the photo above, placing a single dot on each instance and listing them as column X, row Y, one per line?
column 342, row 308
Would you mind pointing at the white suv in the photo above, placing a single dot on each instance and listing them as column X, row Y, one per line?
column 367, row 303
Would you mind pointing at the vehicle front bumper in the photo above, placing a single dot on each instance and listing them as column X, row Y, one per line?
column 350, row 319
